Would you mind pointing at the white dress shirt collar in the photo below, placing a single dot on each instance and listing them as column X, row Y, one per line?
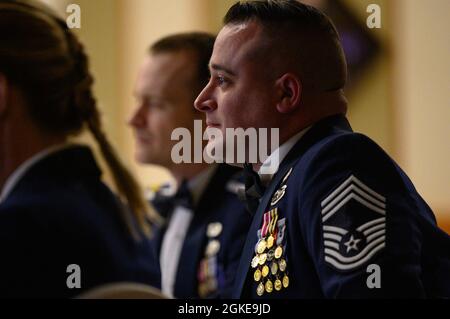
column 271, row 165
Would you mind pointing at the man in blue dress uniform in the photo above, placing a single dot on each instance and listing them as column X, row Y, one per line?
column 339, row 218
column 200, row 243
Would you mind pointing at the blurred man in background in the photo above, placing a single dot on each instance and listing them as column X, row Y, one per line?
column 201, row 241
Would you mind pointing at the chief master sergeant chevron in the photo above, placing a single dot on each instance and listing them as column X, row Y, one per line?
column 337, row 203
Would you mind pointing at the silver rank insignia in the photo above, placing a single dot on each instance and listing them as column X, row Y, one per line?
column 354, row 224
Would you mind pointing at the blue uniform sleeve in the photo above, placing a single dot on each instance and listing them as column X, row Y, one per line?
column 362, row 223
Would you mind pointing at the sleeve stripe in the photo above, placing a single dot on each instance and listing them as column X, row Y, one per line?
column 359, row 191
column 341, row 266
column 348, row 198
column 347, row 182
column 371, row 223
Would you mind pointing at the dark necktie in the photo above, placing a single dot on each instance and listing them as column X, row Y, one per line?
column 166, row 204
column 183, row 197
column 254, row 189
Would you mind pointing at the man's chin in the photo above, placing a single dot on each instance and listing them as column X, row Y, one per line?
column 234, row 164
column 214, row 151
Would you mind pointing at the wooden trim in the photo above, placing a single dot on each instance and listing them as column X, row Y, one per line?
column 443, row 220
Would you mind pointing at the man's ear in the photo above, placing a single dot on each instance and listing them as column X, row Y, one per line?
column 290, row 88
column 3, row 94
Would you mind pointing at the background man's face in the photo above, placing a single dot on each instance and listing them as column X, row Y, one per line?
column 240, row 93
column 165, row 95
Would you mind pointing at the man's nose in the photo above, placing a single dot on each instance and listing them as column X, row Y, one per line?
column 205, row 101
column 137, row 119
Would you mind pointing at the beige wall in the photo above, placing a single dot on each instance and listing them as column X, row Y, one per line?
column 98, row 33
column 403, row 103
column 422, row 97
column 369, row 106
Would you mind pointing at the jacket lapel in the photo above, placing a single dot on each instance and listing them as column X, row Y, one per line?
column 316, row 133
column 194, row 244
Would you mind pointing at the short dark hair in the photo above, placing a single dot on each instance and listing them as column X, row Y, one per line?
column 290, row 18
column 200, row 43
column 275, row 12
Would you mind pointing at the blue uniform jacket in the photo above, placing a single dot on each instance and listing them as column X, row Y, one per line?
column 61, row 214
column 200, row 275
column 345, row 222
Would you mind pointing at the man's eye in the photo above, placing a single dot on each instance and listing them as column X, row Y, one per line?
column 221, row 80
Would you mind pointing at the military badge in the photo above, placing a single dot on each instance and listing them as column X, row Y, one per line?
column 214, row 229
column 212, row 248
column 354, row 224
column 269, row 263
column 279, row 194
column 210, row 273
